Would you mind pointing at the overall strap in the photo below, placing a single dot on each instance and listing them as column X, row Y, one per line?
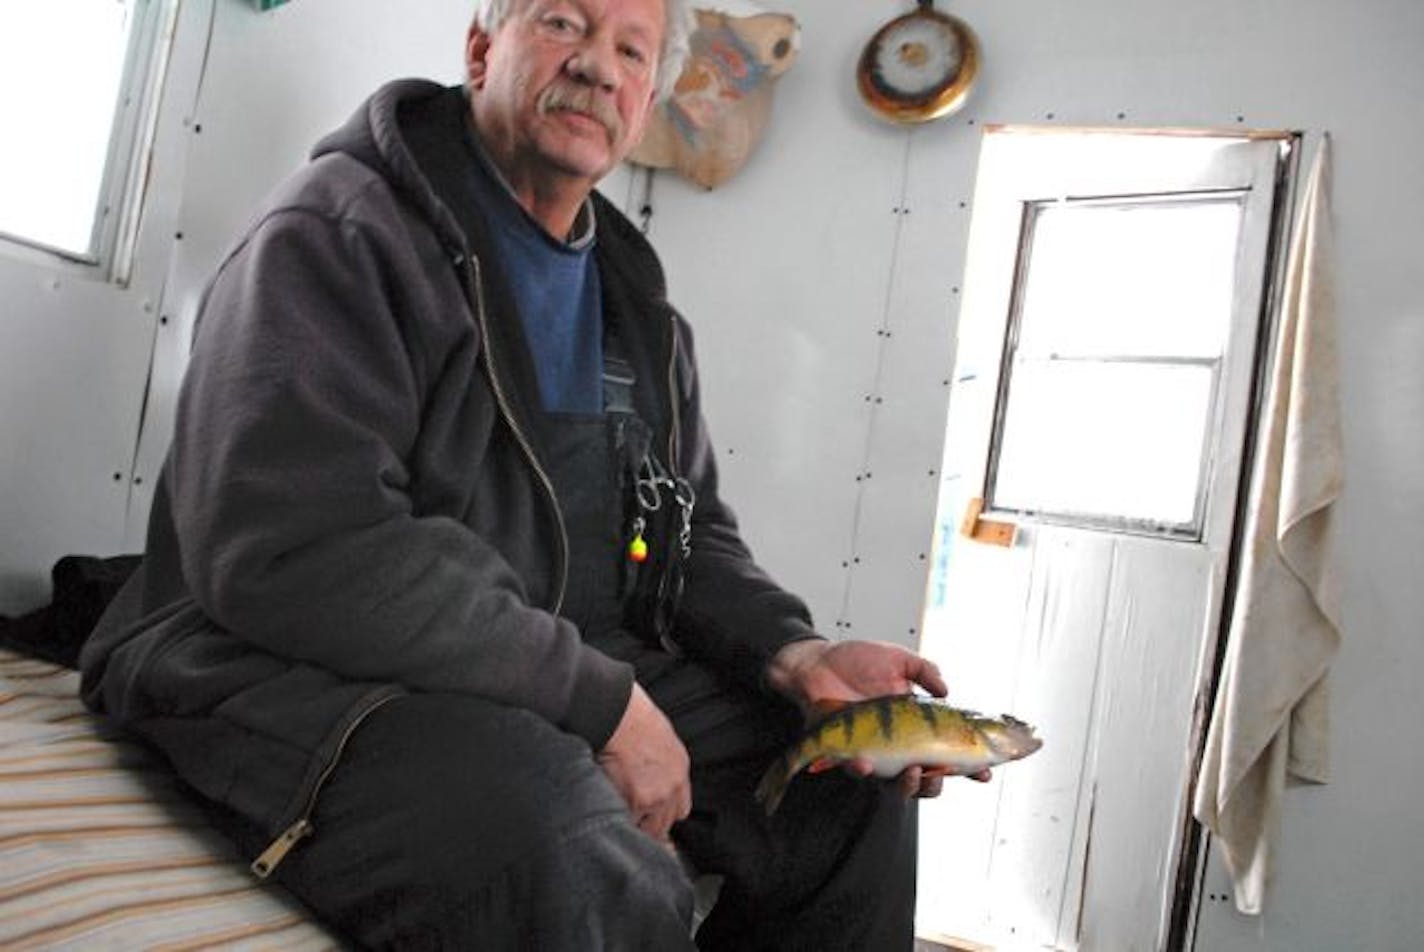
column 618, row 375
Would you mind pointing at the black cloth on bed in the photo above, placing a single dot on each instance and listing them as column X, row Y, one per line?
column 82, row 586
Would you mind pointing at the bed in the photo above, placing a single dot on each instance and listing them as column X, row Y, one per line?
column 99, row 847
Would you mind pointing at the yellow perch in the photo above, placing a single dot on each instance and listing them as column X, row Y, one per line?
column 901, row 731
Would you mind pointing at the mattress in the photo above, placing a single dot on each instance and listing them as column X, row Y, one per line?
column 99, row 848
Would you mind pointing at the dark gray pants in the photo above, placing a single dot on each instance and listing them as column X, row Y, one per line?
column 453, row 823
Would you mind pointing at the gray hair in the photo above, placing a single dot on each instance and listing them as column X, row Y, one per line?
column 677, row 34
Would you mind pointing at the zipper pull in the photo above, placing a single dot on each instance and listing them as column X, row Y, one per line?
column 263, row 866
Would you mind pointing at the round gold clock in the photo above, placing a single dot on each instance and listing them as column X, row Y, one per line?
column 919, row 66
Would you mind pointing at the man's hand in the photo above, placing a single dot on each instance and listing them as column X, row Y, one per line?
column 816, row 672
column 649, row 766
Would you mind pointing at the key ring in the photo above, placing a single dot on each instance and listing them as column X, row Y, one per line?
column 686, row 499
column 648, row 491
column 683, row 494
column 649, row 499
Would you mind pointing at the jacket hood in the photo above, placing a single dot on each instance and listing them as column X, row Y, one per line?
column 373, row 137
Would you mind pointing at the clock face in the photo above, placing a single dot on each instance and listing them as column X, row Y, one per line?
column 919, row 67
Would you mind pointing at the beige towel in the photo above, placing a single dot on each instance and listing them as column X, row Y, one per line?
column 1272, row 716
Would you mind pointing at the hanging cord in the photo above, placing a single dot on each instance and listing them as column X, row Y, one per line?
column 645, row 209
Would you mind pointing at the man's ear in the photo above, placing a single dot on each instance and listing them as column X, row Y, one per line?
column 477, row 43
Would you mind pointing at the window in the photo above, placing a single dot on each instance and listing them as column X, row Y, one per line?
column 78, row 90
column 1117, row 333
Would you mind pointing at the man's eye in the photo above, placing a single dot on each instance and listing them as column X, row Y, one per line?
column 634, row 54
column 561, row 24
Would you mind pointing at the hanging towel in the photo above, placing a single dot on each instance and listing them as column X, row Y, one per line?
column 1271, row 716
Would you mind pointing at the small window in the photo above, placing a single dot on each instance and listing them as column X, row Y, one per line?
column 1117, row 333
column 78, row 86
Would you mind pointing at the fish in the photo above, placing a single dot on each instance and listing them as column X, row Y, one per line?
column 899, row 731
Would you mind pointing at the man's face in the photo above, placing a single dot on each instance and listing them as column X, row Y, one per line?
column 565, row 87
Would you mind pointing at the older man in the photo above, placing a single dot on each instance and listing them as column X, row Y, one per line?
column 441, row 612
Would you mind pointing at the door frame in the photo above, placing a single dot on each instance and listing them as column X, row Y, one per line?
column 1177, row 903
column 1193, row 839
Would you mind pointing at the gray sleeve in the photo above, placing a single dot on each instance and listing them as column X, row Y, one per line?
column 291, row 491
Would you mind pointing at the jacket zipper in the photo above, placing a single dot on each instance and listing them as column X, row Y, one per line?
column 263, row 866
column 472, row 276
column 672, row 399
column 674, row 471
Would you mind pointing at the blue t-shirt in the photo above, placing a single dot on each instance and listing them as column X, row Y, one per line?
column 557, row 292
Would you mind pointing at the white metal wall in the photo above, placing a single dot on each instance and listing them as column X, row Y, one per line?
column 275, row 82
column 823, row 282
column 73, row 362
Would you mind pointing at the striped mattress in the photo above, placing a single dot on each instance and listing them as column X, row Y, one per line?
column 100, row 850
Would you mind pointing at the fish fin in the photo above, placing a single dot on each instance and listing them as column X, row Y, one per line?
column 774, row 783
column 825, row 707
column 821, row 765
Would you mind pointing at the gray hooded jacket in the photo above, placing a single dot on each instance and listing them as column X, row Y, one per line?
column 352, row 507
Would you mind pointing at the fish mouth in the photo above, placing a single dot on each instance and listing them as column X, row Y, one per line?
column 1018, row 739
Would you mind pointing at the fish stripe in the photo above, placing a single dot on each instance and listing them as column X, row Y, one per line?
column 847, row 724
column 931, row 714
column 886, row 717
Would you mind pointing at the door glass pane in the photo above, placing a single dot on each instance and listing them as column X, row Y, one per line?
column 61, row 73
column 1077, row 445
column 1118, row 337
column 1147, row 279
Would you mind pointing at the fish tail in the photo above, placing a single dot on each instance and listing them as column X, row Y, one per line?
column 775, row 781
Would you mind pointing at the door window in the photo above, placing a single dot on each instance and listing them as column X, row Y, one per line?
column 1118, row 327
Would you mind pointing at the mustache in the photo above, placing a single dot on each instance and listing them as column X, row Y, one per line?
column 564, row 96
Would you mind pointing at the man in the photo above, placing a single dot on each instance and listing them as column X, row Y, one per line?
column 441, row 612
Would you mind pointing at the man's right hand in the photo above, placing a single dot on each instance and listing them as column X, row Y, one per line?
column 649, row 766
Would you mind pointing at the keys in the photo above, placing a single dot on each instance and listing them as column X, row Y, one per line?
column 653, row 481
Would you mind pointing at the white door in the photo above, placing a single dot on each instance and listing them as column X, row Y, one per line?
column 1114, row 294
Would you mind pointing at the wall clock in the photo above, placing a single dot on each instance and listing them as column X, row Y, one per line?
column 919, row 66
